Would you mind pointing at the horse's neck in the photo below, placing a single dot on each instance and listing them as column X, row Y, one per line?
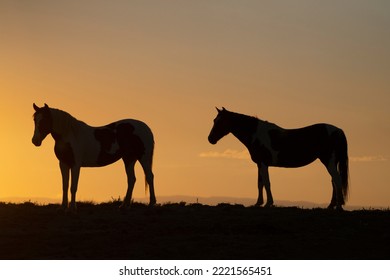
column 64, row 125
column 244, row 128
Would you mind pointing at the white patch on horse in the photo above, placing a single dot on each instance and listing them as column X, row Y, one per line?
column 262, row 136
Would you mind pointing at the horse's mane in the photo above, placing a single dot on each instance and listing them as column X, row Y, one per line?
column 241, row 117
column 63, row 122
column 252, row 121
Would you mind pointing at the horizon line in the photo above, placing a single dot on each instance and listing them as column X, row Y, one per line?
column 210, row 200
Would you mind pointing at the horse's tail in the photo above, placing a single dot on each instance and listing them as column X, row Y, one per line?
column 342, row 155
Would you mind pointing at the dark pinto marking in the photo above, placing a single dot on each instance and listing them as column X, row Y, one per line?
column 130, row 145
column 64, row 153
column 299, row 147
column 106, row 137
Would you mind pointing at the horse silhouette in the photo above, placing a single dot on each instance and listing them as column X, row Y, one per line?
column 271, row 145
column 80, row 145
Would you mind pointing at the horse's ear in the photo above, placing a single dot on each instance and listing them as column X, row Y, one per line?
column 219, row 111
column 223, row 109
column 36, row 108
column 46, row 106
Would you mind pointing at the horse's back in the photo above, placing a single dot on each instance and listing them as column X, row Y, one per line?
column 128, row 139
column 127, row 128
column 301, row 146
column 137, row 127
column 131, row 128
column 134, row 134
column 298, row 138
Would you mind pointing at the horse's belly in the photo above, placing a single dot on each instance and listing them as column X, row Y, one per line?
column 294, row 162
column 102, row 161
column 294, row 158
column 104, row 157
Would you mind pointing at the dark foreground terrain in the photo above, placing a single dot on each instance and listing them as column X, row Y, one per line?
column 179, row 231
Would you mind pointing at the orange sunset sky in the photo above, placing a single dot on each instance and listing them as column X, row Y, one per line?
column 169, row 63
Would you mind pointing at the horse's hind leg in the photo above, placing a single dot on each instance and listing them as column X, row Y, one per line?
column 146, row 164
column 333, row 202
column 129, row 165
column 337, row 193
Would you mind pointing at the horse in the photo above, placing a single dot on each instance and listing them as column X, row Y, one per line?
column 271, row 145
column 80, row 145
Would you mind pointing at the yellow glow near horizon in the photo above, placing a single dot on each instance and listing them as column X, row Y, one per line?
column 170, row 64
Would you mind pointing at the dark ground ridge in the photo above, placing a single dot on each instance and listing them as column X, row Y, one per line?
column 191, row 231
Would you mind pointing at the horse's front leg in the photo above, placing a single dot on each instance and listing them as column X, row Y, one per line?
column 260, row 185
column 65, row 184
column 75, row 173
column 263, row 173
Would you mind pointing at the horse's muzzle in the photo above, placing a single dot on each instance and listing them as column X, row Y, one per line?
column 212, row 141
column 36, row 142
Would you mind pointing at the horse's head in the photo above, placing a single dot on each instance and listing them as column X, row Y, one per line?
column 43, row 124
column 221, row 126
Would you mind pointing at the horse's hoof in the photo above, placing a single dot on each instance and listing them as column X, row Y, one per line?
column 331, row 206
